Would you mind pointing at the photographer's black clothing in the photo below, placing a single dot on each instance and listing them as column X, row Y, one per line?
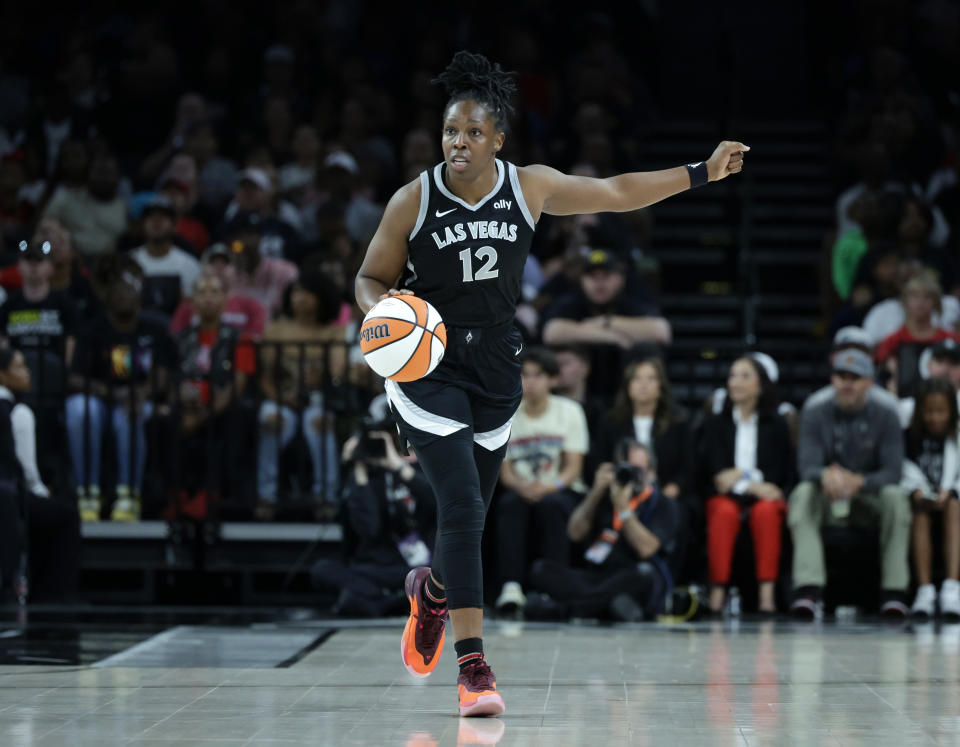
column 590, row 593
column 549, row 517
column 378, row 517
column 658, row 514
column 590, row 590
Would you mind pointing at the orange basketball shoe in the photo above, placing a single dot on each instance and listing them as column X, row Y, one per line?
column 422, row 641
column 477, row 687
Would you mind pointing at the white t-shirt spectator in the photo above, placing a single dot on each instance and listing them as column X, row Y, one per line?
column 536, row 444
column 176, row 273
column 888, row 316
column 95, row 225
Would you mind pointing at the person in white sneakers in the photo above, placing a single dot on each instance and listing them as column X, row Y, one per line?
column 931, row 477
column 542, row 469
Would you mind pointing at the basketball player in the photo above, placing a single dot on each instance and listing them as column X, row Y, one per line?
column 458, row 237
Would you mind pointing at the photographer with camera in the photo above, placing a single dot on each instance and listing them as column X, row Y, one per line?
column 631, row 528
column 388, row 509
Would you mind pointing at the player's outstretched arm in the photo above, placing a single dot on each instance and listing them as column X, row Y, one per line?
column 557, row 193
column 387, row 253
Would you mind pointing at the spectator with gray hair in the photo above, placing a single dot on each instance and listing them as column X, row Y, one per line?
column 849, row 460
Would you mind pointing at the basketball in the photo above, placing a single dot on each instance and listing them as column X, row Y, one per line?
column 403, row 338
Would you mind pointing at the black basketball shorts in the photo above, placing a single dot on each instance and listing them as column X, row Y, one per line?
column 476, row 386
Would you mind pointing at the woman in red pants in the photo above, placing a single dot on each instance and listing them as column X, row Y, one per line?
column 748, row 464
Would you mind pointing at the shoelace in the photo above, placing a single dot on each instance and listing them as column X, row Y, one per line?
column 432, row 626
column 480, row 675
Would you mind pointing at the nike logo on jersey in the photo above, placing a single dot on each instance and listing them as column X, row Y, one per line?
column 445, row 212
column 501, row 204
column 518, row 351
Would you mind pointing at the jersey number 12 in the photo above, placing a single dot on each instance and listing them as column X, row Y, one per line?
column 488, row 271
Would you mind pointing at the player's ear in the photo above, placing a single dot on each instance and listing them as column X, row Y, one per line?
column 498, row 141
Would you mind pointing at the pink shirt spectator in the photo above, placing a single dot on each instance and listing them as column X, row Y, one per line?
column 346, row 314
column 244, row 313
column 267, row 282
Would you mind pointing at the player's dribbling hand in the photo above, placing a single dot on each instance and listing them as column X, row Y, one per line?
column 395, row 292
column 726, row 159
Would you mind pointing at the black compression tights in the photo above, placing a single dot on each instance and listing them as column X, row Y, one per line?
column 463, row 476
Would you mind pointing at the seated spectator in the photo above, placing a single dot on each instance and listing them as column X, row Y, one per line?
column 718, row 399
column 303, row 361
column 215, row 363
column 542, row 468
column 574, row 370
column 339, row 180
column 388, row 513
column 120, row 367
column 216, row 175
column 69, row 274
column 849, row 460
column 746, row 457
column 880, row 276
column 259, row 277
column 940, row 361
column 602, row 312
column 644, row 410
column 888, row 316
column 52, row 525
column 255, row 195
column 296, row 177
column 39, row 319
column 94, row 214
column 913, row 239
column 931, row 477
column 629, row 528
column 16, row 213
column 870, row 225
column 900, row 352
column 169, row 272
column 178, row 193
column 243, row 312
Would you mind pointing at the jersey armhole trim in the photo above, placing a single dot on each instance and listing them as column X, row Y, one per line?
column 518, row 193
column 424, row 202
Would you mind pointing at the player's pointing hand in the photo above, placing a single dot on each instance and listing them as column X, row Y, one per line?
column 726, row 159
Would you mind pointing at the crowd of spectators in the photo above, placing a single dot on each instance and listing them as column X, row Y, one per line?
column 181, row 220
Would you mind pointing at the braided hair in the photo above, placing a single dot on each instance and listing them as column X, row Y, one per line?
column 473, row 76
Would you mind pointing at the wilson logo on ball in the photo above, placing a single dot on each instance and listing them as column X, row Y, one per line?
column 375, row 332
column 403, row 338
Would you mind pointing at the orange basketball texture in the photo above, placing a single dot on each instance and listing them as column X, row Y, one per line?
column 402, row 338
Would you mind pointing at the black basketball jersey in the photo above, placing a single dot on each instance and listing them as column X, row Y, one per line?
column 467, row 260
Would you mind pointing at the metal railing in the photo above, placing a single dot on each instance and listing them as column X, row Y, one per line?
column 165, row 422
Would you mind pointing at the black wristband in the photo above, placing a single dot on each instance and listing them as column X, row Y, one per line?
column 698, row 174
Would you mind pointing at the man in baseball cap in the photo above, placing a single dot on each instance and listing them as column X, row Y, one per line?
column 852, row 337
column 849, row 457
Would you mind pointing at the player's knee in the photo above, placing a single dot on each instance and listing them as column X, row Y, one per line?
column 464, row 513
